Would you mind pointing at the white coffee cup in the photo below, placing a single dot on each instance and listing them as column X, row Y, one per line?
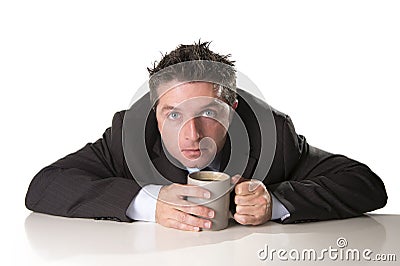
column 219, row 185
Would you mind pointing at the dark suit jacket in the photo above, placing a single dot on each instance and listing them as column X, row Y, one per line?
column 96, row 182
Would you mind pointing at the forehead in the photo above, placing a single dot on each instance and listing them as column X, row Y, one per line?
column 193, row 93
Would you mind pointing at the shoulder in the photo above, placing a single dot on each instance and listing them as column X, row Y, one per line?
column 137, row 110
column 254, row 109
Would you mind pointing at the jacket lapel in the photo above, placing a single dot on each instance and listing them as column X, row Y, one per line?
column 165, row 167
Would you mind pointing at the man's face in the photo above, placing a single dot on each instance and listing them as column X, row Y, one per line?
column 193, row 123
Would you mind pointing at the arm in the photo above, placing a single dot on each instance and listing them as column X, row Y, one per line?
column 143, row 206
column 89, row 183
column 279, row 210
column 321, row 186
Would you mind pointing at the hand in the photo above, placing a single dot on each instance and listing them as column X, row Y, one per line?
column 253, row 201
column 172, row 210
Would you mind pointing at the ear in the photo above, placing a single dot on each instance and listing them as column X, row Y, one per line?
column 235, row 104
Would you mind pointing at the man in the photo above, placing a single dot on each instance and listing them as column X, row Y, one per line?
column 138, row 169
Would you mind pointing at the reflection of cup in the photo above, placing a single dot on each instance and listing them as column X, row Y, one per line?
column 219, row 186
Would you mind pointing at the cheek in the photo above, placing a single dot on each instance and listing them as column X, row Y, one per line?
column 214, row 130
column 164, row 128
column 169, row 136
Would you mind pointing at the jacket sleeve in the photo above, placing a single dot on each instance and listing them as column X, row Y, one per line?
column 319, row 185
column 88, row 183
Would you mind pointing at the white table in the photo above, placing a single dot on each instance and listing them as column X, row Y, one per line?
column 66, row 241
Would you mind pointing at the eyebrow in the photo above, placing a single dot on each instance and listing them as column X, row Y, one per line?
column 170, row 107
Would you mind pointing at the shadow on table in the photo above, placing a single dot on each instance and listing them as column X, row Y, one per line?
column 56, row 237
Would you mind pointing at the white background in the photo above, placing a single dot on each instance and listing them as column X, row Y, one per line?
column 67, row 66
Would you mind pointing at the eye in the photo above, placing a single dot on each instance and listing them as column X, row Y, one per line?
column 209, row 113
column 174, row 115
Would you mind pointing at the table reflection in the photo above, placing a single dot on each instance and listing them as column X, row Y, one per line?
column 57, row 237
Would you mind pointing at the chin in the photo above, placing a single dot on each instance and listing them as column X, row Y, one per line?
column 195, row 163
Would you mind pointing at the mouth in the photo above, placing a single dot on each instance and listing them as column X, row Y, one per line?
column 192, row 153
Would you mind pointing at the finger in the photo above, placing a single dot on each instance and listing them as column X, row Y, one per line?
column 243, row 188
column 245, row 219
column 199, row 210
column 247, row 200
column 250, row 187
column 251, row 199
column 255, row 184
column 249, row 210
column 181, row 226
column 189, row 219
column 193, row 191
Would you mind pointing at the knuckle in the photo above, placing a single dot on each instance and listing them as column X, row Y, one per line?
column 173, row 189
column 238, row 209
column 199, row 192
column 190, row 209
column 198, row 222
column 174, row 186
column 204, row 211
column 261, row 200
column 194, row 221
column 240, row 188
column 182, row 226
column 182, row 217
column 185, row 209
column 198, row 210
column 167, row 223
column 237, row 199
column 237, row 189
column 259, row 190
column 264, row 208
column 239, row 218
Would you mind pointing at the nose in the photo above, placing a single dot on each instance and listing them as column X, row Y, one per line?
column 191, row 129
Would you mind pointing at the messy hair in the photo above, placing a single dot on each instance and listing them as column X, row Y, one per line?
column 200, row 56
